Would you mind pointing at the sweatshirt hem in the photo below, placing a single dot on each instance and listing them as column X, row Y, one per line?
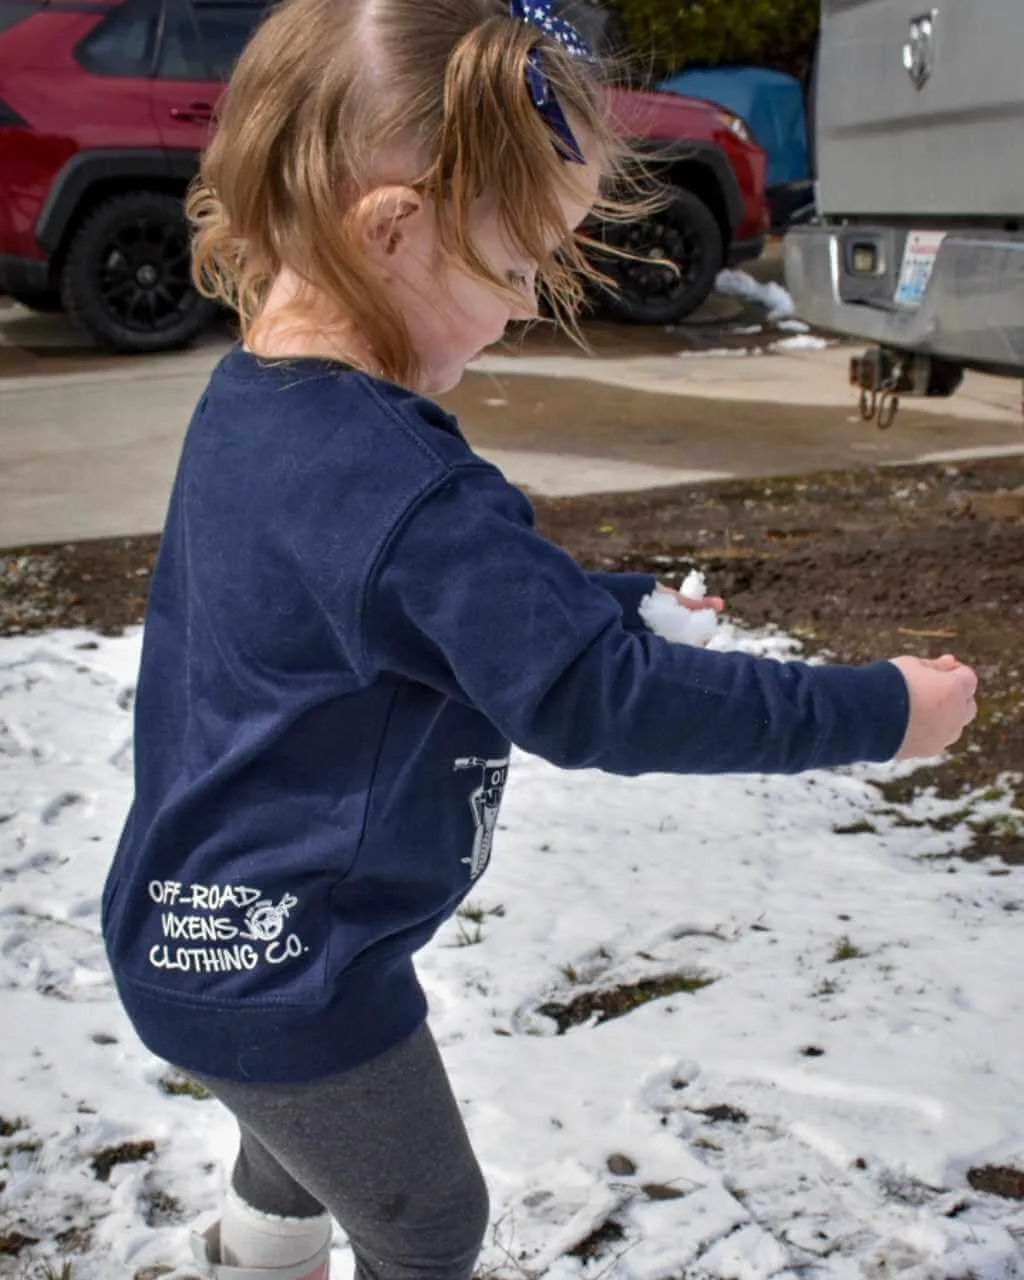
column 282, row 1043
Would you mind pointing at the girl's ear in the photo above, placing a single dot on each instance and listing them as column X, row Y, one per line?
column 389, row 219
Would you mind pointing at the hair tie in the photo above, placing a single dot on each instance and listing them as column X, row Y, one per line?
column 541, row 14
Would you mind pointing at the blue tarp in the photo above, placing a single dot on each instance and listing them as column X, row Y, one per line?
column 771, row 103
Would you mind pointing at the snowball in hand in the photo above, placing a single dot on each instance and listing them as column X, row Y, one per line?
column 694, row 586
column 665, row 616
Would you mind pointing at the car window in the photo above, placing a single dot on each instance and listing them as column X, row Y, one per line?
column 181, row 51
column 202, row 41
column 124, row 42
column 225, row 30
column 14, row 11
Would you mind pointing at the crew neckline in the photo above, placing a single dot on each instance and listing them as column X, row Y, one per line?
column 241, row 362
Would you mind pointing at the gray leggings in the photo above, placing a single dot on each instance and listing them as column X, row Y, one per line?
column 382, row 1148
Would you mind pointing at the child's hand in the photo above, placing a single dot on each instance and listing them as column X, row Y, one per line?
column 688, row 602
column 941, row 704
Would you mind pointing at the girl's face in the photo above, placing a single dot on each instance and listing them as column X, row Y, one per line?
column 451, row 316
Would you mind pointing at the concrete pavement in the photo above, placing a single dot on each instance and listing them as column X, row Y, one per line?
column 88, row 443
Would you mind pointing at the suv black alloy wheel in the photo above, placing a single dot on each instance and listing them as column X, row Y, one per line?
column 126, row 275
column 685, row 234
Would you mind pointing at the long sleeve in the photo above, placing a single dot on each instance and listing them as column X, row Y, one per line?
column 512, row 626
column 628, row 589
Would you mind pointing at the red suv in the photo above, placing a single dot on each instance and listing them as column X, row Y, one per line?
column 105, row 105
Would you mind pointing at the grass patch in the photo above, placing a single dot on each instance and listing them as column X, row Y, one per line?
column 472, row 914
column 597, row 1244
column 468, row 937
column 12, row 1243
column 999, row 837
column 75, row 1239
column 722, row 1113
column 998, row 1180
column 662, row 1191
column 861, row 828
column 161, row 1209
column 53, row 1271
column 477, row 914
column 27, row 1147
column 470, row 911
column 10, row 1127
column 104, row 1160
column 179, row 1086
column 615, row 1002
column 846, row 950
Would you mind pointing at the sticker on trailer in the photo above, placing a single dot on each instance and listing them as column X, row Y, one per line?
column 919, row 258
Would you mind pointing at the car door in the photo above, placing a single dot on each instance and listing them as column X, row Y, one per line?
column 111, row 105
column 200, row 43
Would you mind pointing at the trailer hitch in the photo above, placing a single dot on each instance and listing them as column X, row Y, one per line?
column 884, row 374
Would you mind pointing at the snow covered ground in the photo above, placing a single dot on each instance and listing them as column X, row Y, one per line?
column 813, row 1109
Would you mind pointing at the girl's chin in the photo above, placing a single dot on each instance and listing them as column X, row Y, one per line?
column 439, row 383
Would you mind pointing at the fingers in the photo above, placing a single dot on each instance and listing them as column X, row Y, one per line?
column 709, row 602
column 946, row 663
column 967, row 678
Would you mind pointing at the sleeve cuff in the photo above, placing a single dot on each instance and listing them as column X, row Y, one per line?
column 871, row 713
column 628, row 589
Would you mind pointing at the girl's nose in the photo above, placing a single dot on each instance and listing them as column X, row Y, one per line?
column 527, row 309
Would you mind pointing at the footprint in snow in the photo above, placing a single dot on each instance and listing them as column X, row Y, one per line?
column 817, row 1203
column 56, row 808
column 42, row 860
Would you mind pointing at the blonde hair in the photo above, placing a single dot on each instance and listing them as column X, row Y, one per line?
column 327, row 88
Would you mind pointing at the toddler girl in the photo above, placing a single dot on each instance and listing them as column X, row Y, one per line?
column 352, row 618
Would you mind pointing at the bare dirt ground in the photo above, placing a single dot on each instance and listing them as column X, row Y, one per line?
column 857, row 564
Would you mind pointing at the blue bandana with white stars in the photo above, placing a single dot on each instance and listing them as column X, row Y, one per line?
column 541, row 14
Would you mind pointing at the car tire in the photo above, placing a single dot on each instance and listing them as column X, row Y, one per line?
column 126, row 275
column 684, row 232
column 46, row 301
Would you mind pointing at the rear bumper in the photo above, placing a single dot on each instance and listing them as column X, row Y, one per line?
column 23, row 275
column 972, row 312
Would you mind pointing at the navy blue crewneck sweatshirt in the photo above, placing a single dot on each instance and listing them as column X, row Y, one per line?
column 350, row 619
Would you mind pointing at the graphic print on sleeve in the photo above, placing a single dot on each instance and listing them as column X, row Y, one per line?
column 484, row 802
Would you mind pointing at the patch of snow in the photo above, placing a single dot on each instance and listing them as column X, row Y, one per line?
column 715, row 353
column 800, row 342
column 772, row 296
column 793, row 326
column 802, row 1113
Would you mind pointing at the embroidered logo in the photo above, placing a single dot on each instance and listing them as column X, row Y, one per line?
column 222, row 928
column 485, row 802
column 265, row 921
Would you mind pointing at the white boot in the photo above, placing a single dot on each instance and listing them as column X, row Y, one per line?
column 206, row 1251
